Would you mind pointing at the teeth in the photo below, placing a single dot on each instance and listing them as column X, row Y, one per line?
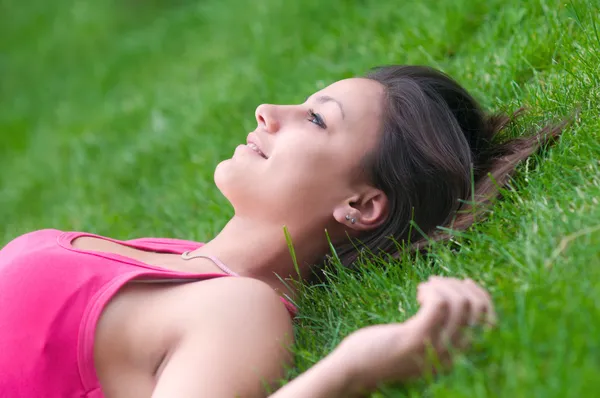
column 253, row 146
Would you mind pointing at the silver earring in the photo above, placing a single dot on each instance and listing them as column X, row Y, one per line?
column 353, row 220
column 348, row 217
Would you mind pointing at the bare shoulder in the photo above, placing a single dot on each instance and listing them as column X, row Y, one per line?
column 234, row 338
column 235, row 298
column 171, row 310
column 216, row 328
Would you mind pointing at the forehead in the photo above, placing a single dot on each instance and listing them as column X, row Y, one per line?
column 356, row 86
column 360, row 98
column 358, row 131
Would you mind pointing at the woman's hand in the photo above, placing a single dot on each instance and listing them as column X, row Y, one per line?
column 398, row 352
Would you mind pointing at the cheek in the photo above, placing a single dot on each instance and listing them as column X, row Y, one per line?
column 308, row 177
column 295, row 180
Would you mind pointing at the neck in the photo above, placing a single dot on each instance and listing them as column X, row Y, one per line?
column 260, row 251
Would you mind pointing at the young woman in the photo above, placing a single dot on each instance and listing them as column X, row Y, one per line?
column 87, row 316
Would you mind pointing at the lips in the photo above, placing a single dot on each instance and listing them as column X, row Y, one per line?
column 254, row 143
column 256, row 149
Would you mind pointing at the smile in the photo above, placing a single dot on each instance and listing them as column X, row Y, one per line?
column 256, row 149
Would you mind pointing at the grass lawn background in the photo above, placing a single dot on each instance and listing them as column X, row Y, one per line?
column 113, row 115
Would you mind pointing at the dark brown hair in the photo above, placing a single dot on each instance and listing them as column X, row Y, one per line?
column 439, row 160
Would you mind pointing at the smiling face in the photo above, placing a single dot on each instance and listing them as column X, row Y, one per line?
column 302, row 164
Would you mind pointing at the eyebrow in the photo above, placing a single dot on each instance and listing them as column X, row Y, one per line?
column 325, row 98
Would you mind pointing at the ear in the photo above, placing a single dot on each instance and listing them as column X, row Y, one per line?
column 368, row 210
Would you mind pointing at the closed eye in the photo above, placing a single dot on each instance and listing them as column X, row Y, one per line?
column 316, row 119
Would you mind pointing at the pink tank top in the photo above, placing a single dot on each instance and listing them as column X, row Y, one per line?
column 51, row 296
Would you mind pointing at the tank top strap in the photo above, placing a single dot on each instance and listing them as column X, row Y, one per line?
column 186, row 256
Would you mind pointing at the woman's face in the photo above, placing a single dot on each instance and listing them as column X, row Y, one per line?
column 312, row 156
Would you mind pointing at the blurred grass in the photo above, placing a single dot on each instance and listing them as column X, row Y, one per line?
column 113, row 116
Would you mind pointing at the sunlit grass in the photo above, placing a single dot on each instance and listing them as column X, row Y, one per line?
column 113, row 116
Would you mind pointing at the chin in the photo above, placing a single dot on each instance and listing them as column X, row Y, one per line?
column 221, row 177
column 231, row 182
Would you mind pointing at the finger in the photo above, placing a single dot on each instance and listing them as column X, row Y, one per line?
column 422, row 292
column 477, row 310
column 434, row 317
column 459, row 310
column 424, row 289
column 479, row 304
column 427, row 326
column 485, row 306
column 433, row 314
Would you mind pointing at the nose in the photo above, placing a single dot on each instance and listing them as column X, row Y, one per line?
column 266, row 116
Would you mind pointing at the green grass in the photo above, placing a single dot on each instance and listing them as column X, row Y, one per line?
column 113, row 115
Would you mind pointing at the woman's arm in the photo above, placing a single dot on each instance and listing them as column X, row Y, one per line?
column 242, row 350
column 398, row 352
column 326, row 379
